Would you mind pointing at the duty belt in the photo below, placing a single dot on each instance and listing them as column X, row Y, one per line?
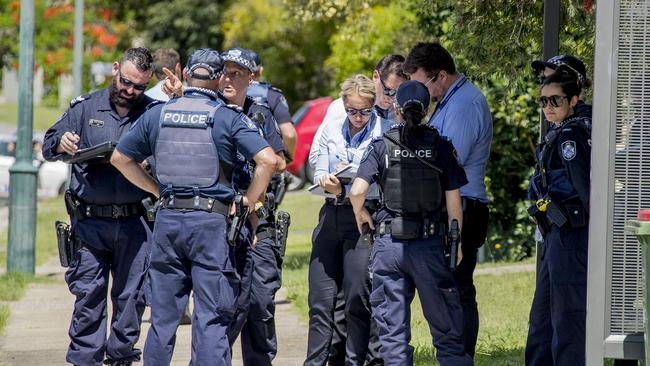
column 112, row 211
column 334, row 201
column 196, row 203
column 431, row 229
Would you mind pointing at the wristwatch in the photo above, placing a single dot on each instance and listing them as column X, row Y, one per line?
column 260, row 210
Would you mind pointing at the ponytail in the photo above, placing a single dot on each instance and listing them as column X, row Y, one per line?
column 413, row 115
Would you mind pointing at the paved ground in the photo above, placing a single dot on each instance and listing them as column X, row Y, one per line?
column 37, row 330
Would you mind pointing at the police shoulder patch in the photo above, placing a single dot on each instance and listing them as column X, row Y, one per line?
column 568, row 150
column 248, row 122
column 369, row 149
column 79, row 99
column 283, row 100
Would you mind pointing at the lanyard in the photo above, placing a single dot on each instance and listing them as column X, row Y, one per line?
column 453, row 91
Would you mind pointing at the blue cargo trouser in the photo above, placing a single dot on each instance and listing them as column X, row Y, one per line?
column 190, row 252
column 400, row 267
column 556, row 333
column 118, row 247
column 259, row 341
column 244, row 267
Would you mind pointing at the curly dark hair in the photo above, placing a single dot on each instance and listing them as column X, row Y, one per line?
column 140, row 57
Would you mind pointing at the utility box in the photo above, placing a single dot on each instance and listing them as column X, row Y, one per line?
column 620, row 180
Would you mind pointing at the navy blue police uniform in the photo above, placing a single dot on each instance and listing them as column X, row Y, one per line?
column 259, row 341
column 560, row 186
column 401, row 263
column 106, row 224
column 190, row 250
column 244, row 253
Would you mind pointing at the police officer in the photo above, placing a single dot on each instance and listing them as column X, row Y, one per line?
column 105, row 213
column 194, row 140
column 560, row 190
column 461, row 115
column 546, row 68
column 265, row 93
column 259, row 267
column 338, row 258
column 419, row 175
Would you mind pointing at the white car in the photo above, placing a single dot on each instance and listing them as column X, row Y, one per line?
column 52, row 176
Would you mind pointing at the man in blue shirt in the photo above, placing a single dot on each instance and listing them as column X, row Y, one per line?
column 195, row 140
column 105, row 212
column 462, row 115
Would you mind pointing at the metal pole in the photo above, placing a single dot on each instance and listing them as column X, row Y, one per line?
column 23, row 173
column 77, row 70
column 551, row 47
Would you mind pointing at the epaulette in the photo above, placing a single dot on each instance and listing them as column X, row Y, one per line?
column 276, row 89
column 153, row 104
column 234, row 107
column 79, row 99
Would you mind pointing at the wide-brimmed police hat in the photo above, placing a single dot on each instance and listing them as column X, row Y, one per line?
column 569, row 61
column 412, row 92
column 241, row 57
column 205, row 58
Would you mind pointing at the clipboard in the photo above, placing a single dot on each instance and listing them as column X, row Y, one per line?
column 98, row 154
column 345, row 175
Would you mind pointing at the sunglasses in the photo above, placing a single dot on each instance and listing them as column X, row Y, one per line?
column 388, row 91
column 553, row 100
column 128, row 83
column 353, row 112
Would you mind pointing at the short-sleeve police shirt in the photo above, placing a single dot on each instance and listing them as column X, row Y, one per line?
column 96, row 121
column 373, row 165
column 279, row 106
column 232, row 132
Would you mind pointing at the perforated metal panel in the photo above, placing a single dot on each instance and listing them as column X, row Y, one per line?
column 631, row 164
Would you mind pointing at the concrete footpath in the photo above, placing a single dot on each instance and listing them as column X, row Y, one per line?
column 37, row 332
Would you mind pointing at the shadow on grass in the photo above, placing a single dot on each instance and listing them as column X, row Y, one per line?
column 498, row 357
column 295, row 261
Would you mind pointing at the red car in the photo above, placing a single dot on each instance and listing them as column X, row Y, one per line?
column 307, row 120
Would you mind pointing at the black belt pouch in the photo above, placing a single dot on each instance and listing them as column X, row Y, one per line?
column 403, row 228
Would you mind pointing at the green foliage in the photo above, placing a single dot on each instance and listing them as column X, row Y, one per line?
column 365, row 37
column 181, row 24
column 292, row 50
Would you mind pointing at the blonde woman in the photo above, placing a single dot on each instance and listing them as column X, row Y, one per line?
column 339, row 259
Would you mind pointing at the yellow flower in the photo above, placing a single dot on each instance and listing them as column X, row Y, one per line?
column 497, row 245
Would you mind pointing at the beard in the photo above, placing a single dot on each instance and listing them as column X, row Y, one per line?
column 120, row 100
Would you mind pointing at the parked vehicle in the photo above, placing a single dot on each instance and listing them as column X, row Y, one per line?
column 52, row 176
column 307, row 120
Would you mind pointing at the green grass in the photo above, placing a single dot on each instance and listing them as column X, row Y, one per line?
column 504, row 300
column 13, row 285
column 44, row 117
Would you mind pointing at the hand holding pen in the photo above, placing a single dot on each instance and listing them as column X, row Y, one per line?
column 68, row 143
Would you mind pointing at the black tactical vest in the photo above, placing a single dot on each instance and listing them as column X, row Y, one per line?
column 186, row 156
column 410, row 187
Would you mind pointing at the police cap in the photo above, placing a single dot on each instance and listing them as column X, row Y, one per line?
column 413, row 93
column 562, row 60
column 241, row 57
column 256, row 57
column 205, row 58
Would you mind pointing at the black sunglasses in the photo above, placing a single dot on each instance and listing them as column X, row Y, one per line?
column 353, row 112
column 128, row 83
column 553, row 100
column 387, row 91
